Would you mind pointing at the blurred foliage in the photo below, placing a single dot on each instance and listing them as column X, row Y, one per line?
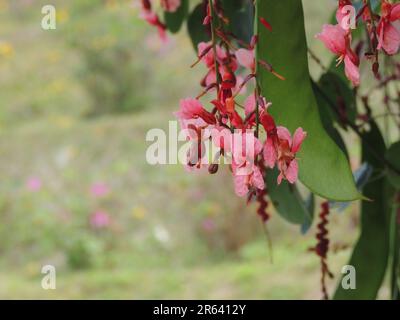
column 112, row 73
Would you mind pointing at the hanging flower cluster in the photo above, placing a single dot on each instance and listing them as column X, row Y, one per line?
column 232, row 117
column 382, row 33
column 231, row 127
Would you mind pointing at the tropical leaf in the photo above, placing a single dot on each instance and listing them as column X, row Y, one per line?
column 241, row 18
column 197, row 31
column 287, row 200
column 370, row 255
column 340, row 95
column 323, row 167
column 393, row 156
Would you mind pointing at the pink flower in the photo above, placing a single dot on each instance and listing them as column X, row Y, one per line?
column 243, row 183
column 227, row 63
column 246, row 58
column 270, row 153
column 152, row 18
column 99, row 189
column 99, row 219
column 334, row 38
column 280, row 148
column 245, row 147
column 287, row 150
column 247, row 175
column 170, row 5
column 34, row 184
column 206, row 53
column 198, row 124
column 338, row 41
column 193, row 109
column 250, row 104
column 222, row 138
column 388, row 34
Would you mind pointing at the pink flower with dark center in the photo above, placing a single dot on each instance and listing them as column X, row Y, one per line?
column 388, row 34
column 34, row 184
column 99, row 219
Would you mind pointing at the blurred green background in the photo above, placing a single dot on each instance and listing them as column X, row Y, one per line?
column 77, row 193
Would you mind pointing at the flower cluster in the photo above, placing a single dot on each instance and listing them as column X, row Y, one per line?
column 382, row 32
column 234, row 124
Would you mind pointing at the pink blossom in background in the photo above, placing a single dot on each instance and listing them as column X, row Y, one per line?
column 34, row 184
column 99, row 219
column 208, row 225
column 99, row 189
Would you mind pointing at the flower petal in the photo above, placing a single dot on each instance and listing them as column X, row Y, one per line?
column 270, row 155
column 298, row 138
column 284, row 134
column 351, row 70
column 292, row 171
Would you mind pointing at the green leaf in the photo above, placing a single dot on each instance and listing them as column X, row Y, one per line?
column 241, row 17
column 340, row 95
column 174, row 20
column 287, row 200
column 370, row 255
column 197, row 31
column 323, row 167
column 327, row 118
column 395, row 255
column 393, row 156
column 310, row 204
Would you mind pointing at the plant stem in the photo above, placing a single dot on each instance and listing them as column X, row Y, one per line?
column 257, row 89
column 214, row 42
